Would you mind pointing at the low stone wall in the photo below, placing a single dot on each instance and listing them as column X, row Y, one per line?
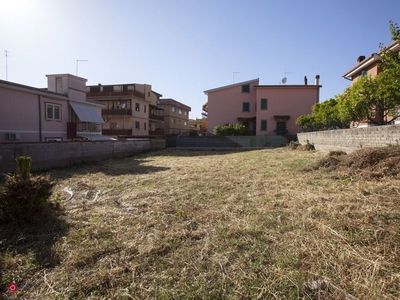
column 349, row 140
column 46, row 156
column 157, row 144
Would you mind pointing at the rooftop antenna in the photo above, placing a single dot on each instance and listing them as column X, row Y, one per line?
column 6, row 55
column 284, row 79
column 233, row 76
column 77, row 61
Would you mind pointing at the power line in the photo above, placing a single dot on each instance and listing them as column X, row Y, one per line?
column 6, row 55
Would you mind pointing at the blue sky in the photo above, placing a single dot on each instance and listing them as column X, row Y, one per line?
column 183, row 47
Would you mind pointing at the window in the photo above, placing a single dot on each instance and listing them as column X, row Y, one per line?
column 363, row 73
column 173, row 109
column 173, row 121
column 53, row 112
column 246, row 124
column 59, row 85
column 281, row 126
column 246, row 106
column 137, row 125
column 246, row 88
column 179, row 122
column 185, row 123
column 185, row 112
column 53, row 139
column 137, row 106
column 264, row 104
column 145, row 126
column 108, row 88
column 145, row 109
column 263, row 125
column 180, row 111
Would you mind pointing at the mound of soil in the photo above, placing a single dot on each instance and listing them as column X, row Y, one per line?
column 372, row 162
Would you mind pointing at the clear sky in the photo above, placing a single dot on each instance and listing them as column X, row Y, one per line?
column 184, row 47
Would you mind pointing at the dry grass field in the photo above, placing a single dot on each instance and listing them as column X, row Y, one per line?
column 175, row 224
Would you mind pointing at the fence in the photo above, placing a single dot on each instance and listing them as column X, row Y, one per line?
column 46, row 156
column 227, row 142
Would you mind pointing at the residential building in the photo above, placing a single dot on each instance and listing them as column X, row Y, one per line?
column 263, row 109
column 369, row 66
column 199, row 124
column 59, row 112
column 176, row 116
column 129, row 109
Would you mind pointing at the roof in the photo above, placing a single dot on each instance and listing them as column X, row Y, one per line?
column 171, row 101
column 232, row 85
column 33, row 90
column 370, row 60
column 304, row 86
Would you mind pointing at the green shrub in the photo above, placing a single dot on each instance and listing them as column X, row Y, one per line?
column 23, row 196
column 231, row 129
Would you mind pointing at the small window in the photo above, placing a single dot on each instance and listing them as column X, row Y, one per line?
column 185, row 112
column 263, row 125
column 246, row 88
column 145, row 109
column 53, row 139
column 137, row 106
column 53, row 112
column 179, row 122
column 180, row 111
column 246, row 106
column 363, row 73
column 137, row 125
column 145, row 126
column 185, row 123
column 173, row 109
column 264, row 104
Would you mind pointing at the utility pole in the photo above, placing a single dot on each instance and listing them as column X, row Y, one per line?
column 6, row 63
column 77, row 61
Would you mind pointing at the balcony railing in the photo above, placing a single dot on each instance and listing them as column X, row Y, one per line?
column 117, row 131
column 113, row 94
column 156, row 132
column 116, row 112
column 74, row 127
column 155, row 117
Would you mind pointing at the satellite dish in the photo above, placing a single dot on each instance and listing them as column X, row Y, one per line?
column 284, row 79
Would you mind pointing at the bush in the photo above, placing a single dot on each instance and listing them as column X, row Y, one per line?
column 231, row 129
column 23, row 196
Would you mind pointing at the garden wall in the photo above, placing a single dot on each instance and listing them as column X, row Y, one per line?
column 349, row 140
column 46, row 156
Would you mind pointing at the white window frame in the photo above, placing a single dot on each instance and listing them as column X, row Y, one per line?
column 53, row 107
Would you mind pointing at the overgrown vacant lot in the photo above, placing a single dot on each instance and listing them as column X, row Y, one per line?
column 260, row 224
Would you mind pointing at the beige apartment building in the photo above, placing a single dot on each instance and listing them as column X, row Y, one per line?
column 176, row 116
column 129, row 109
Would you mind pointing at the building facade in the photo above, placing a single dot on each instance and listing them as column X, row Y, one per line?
column 263, row 109
column 129, row 109
column 176, row 116
column 59, row 112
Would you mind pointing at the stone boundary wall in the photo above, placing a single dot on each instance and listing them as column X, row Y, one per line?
column 46, row 156
column 349, row 140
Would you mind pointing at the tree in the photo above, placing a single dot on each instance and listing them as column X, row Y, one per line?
column 324, row 115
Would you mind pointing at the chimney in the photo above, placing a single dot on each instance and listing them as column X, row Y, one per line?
column 317, row 80
column 305, row 80
column 360, row 59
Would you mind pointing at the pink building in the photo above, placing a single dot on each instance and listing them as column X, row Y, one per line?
column 264, row 109
column 58, row 113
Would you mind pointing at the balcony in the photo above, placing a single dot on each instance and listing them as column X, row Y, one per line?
column 74, row 127
column 156, row 132
column 117, row 131
column 153, row 117
column 116, row 94
column 116, row 112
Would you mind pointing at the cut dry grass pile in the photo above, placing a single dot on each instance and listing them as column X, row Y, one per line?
column 211, row 225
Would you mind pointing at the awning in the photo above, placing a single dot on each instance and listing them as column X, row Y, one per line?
column 95, row 137
column 87, row 113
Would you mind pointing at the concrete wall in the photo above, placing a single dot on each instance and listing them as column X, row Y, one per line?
column 352, row 139
column 46, row 156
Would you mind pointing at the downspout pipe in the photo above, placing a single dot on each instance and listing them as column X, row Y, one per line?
column 40, row 119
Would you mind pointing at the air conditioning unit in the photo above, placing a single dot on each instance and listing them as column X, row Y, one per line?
column 13, row 136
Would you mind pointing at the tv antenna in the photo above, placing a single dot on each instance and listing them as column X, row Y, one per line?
column 233, row 76
column 284, row 79
column 77, row 61
column 6, row 55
